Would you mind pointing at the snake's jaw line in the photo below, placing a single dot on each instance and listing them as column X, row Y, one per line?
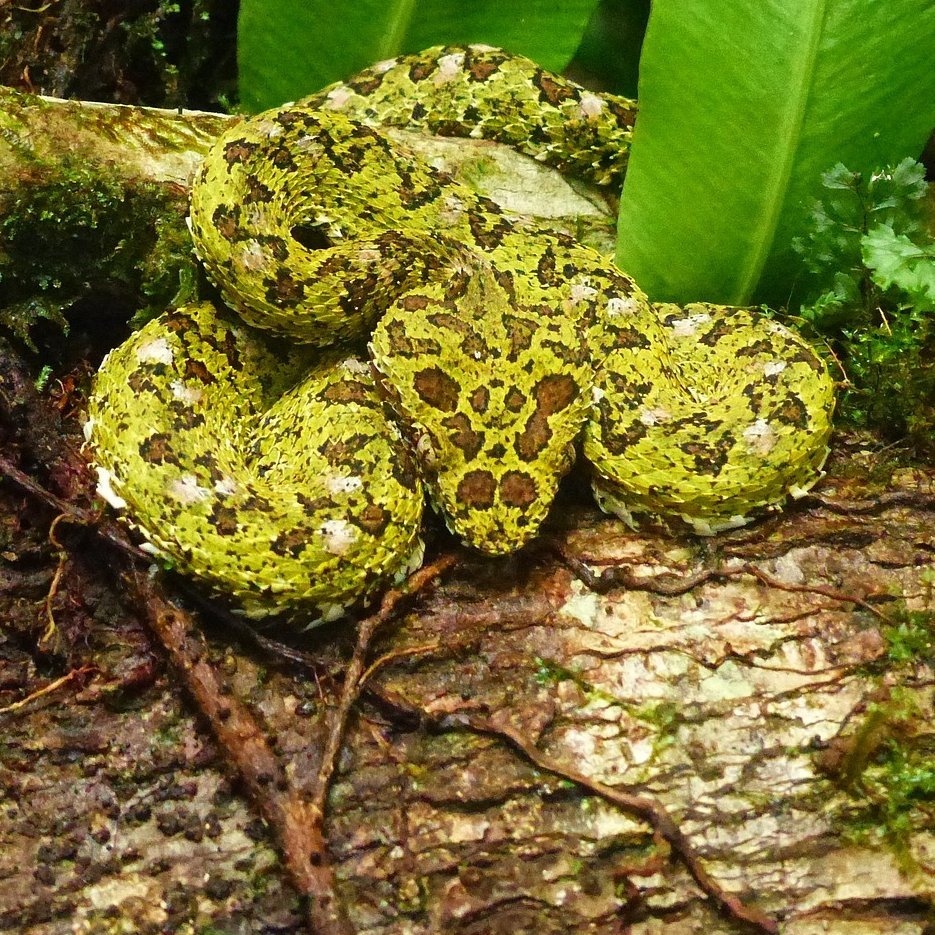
column 270, row 470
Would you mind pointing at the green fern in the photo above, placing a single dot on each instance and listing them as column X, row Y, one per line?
column 871, row 267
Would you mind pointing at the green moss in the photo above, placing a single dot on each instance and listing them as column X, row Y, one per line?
column 886, row 764
column 875, row 469
column 42, row 379
column 909, row 634
column 11, row 39
column 145, row 38
column 890, row 773
column 910, row 639
column 168, row 735
column 73, row 231
column 663, row 715
column 549, row 672
column 412, row 896
column 891, row 372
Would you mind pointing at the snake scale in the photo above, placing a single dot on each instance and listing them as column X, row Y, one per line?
column 394, row 334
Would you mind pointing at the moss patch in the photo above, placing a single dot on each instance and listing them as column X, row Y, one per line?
column 886, row 764
column 73, row 231
column 890, row 772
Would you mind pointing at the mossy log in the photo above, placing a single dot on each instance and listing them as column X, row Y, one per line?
column 771, row 687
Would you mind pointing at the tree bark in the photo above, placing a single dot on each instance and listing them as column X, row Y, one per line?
column 771, row 688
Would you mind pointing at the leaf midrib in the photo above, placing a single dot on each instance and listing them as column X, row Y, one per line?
column 791, row 134
column 397, row 27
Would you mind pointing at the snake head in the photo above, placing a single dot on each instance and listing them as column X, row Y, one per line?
column 492, row 396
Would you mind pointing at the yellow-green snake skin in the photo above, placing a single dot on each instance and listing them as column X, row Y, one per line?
column 292, row 479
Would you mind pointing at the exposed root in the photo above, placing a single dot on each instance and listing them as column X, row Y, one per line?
column 76, row 675
column 355, row 678
column 672, row 585
column 648, row 809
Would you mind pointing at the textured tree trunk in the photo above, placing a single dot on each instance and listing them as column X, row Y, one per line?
column 771, row 688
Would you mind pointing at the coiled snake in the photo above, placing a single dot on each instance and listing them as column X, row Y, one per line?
column 257, row 450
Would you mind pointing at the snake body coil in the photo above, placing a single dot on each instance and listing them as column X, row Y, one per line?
column 290, row 478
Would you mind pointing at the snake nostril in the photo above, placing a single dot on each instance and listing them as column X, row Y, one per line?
column 312, row 236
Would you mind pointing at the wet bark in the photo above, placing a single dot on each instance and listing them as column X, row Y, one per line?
column 771, row 689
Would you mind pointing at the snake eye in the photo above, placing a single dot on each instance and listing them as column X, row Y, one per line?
column 312, row 236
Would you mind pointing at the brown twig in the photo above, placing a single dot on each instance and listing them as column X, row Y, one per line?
column 297, row 820
column 354, row 679
column 650, row 810
column 384, row 660
column 750, row 569
column 68, row 512
column 620, row 576
column 672, row 585
column 25, row 482
column 73, row 676
column 51, row 627
column 292, row 817
column 886, row 499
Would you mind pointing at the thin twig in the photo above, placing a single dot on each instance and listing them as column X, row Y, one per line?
column 72, row 676
column 68, row 512
column 354, row 677
column 50, row 627
column 767, row 579
column 24, row 481
column 611, row 578
column 396, row 654
column 886, row 499
column 242, row 627
column 650, row 810
column 672, row 585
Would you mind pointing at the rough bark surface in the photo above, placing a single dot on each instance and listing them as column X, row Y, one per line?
column 772, row 687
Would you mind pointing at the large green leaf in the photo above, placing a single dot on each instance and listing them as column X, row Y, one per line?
column 743, row 106
column 289, row 48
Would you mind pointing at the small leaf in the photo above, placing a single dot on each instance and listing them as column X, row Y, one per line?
column 839, row 176
column 895, row 260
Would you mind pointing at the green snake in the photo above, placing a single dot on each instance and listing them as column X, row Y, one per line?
column 398, row 335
